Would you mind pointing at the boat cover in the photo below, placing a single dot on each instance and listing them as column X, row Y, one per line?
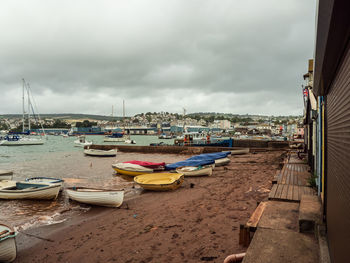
column 132, row 167
column 203, row 161
column 150, row 165
column 215, row 156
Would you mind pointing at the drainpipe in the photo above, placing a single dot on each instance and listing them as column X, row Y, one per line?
column 234, row 258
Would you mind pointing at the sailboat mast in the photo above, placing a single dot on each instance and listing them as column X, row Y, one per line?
column 124, row 114
column 23, row 105
column 28, row 107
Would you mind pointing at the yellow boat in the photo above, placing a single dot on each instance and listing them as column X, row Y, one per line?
column 131, row 169
column 160, row 181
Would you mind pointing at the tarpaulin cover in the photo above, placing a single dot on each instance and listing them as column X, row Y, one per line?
column 150, row 165
column 215, row 156
column 187, row 162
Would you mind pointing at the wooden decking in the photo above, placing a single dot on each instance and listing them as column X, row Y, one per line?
column 292, row 181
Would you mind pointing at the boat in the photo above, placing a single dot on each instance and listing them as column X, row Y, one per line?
column 115, row 137
column 41, row 191
column 35, row 181
column 222, row 162
column 100, row 153
column 16, row 140
column 160, row 181
column 5, row 184
column 6, row 175
column 93, row 196
column 150, row 165
column 131, row 169
column 129, row 141
column 81, row 142
column 8, row 249
column 240, row 151
column 164, row 136
column 195, row 171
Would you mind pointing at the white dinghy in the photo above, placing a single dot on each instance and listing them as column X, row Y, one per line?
column 45, row 192
column 222, row 162
column 101, row 153
column 8, row 248
column 6, row 175
column 93, row 196
column 195, row 171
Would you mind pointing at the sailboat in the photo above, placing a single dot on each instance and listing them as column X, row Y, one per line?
column 17, row 139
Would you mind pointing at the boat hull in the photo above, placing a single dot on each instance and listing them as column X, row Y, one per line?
column 187, row 171
column 21, row 143
column 6, row 175
column 130, row 173
column 100, row 153
column 113, row 139
column 8, row 250
column 42, row 193
column 222, row 162
column 98, row 197
column 160, row 181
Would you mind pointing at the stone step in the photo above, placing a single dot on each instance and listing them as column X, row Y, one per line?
column 310, row 213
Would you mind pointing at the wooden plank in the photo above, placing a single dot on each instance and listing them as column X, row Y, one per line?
column 290, row 192
column 284, row 192
column 279, row 191
column 255, row 217
column 295, row 193
column 273, row 191
column 276, row 177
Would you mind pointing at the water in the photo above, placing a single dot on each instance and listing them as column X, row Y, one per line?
column 60, row 159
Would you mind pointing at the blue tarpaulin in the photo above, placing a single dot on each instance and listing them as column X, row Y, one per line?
column 197, row 160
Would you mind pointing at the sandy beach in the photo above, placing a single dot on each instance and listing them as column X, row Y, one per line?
column 199, row 222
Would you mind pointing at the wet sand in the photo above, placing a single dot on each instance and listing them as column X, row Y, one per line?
column 199, row 222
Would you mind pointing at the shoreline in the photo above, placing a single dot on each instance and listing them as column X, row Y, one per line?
column 199, row 221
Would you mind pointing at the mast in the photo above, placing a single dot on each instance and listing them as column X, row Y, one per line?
column 23, row 105
column 28, row 107
column 124, row 114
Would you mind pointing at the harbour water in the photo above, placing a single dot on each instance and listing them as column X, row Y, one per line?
column 60, row 159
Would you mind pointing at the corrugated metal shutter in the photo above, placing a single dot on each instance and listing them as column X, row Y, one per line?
column 338, row 163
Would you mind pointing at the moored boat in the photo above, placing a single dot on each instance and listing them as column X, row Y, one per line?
column 222, row 162
column 100, row 153
column 160, row 181
column 8, row 248
column 45, row 192
column 131, row 169
column 195, row 171
column 6, row 175
column 38, row 181
column 150, row 165
column 81, row 142
column 16, row 140
column 93, row 196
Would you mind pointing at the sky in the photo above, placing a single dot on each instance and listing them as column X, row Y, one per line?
column 229, row 56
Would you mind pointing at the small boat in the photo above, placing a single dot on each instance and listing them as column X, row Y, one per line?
column 5, row 184
column 128, row 141
column 131, row 169
column 222, row 162
column 150, row 165
column 81, row 142
column 38, row 181
column 240, row 151
column 92, row 196
column 16, row 140
column 195, row 171
column 101, row 153
column 115, row 137
column 6, row 175
column 160, row 181
column 41, row 191
column 8, row 248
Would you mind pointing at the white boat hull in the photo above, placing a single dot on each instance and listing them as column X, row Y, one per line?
column 101, row 153
column 45, row 193
column 222, row 162
column 22, row 142
column 114, row 139
column 6, row 175
column 8, row 248
column 194, row 171
column 99, row 197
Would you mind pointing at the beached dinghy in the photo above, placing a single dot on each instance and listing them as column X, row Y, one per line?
column 150, row 165
column 222, row 162
column 195, row 171
column 92, row 196
column 6, row 175
column 41, row 191
column 8, row 248
column 160, row 181
column 131, row 169
column 101, row 153
column 5, row 184
column 35, row 181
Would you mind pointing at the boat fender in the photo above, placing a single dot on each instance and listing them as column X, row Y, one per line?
column 234, row 258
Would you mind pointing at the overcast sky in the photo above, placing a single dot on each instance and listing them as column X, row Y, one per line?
column 237, row 56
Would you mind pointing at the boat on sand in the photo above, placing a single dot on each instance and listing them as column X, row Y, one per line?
column 93, row 196
column 150, row 165
column 222, row 162
column 160, row 181
column 46, row 192
column 38, row 181
column 6, row 175
column 8, row 248
column 131, row 169
column 100, row 153
column 195, row 171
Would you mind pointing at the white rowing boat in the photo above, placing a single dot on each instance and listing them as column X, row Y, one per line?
column 101, row 153
column 38, row 181
column 6, row 175
column 46, row 192
column 8, row 248
column 222, row 162
column 195, row 171
column 92, row 196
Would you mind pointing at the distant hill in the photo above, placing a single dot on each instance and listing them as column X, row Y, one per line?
column 67, row 116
